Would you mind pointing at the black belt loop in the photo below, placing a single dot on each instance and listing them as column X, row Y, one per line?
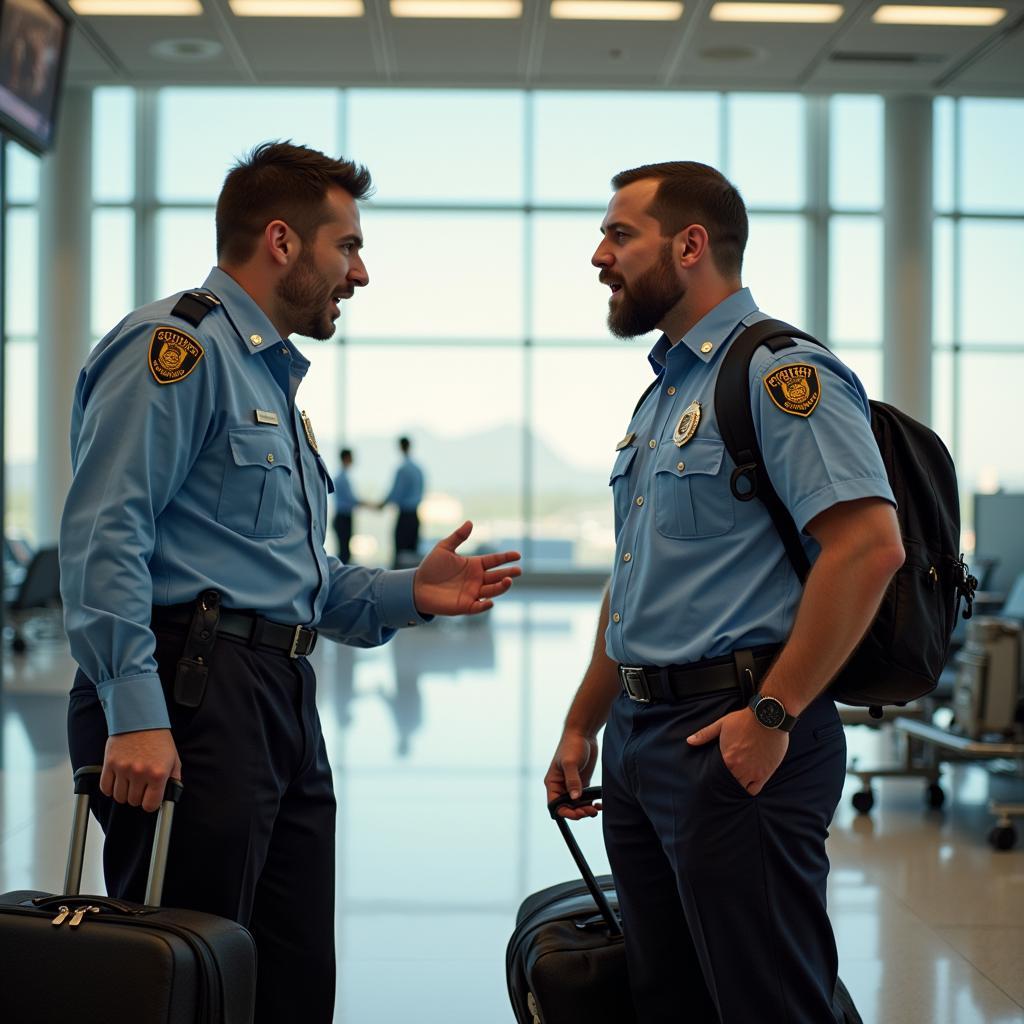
column 746, row 673
column 256, row 633
column 193, row 666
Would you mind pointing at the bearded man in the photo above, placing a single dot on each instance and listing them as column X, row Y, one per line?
column 724, row 757
column 195, row 580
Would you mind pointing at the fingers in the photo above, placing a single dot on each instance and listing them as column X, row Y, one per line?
column 705, row 735
column 509, row 573
column 495, row 589
column 454, row 539
column 492, row 560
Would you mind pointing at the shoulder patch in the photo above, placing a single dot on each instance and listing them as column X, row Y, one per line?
column 173, row 355
column 795, row 388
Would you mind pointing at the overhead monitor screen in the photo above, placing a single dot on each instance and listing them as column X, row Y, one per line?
column 33, row 41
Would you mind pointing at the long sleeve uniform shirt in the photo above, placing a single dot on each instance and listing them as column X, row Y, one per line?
column 407, row 490
column 205, row 479
column 698, row 573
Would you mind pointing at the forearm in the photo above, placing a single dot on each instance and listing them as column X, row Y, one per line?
column 840, row 600
column 593, row 701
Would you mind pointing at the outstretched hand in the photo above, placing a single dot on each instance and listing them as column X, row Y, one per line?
column 447, row 583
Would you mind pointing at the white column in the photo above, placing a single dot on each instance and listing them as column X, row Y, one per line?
column 65, row 257
column 907, row 344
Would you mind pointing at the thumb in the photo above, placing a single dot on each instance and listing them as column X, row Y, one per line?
column 572, row 780
column 453, row 540
column 705, row 735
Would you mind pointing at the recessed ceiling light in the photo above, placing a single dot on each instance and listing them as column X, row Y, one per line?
column 138, row 8
column 297, row 8
column 790, row 14
column 617, row 10
column 509, row 9
column 186, row 51
column 912, row 14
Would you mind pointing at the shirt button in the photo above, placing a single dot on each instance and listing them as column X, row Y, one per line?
column 706, row 347
column 411, row 622
column 672, row 391
column 680, row 466
column 270, row 457
column 256, row 339
column 616, row 617
column 653, row 443
column 627, row 557
column 640, row 500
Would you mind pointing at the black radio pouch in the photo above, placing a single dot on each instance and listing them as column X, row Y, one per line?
column 194, row 664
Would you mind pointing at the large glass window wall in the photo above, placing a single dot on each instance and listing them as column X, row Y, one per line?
column 482, row 335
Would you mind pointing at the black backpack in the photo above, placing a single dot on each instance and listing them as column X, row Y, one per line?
column 906, row 646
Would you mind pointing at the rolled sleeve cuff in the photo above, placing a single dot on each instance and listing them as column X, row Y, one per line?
column 131, row 703
column 398, row 608
column 842, row 490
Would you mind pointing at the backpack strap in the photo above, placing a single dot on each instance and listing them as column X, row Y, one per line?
column 736, row 422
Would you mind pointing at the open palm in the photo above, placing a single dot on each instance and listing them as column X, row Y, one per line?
column 448, row 583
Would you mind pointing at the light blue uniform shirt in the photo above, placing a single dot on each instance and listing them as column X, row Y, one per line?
column 182, row 487
column 407, row 490
column 344, row 497
column 698, row 573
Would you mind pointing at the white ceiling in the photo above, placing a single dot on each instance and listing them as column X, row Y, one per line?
column 539, row 52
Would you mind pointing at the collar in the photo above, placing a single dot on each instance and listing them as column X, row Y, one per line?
column 709, row 335
column 255, row 331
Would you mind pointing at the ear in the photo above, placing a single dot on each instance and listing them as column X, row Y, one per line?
column 280, row 242
column 690, row 245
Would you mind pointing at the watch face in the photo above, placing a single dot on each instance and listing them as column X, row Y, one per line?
column 770, row 712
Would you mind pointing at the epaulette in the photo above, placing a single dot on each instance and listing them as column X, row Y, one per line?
column 193, row 306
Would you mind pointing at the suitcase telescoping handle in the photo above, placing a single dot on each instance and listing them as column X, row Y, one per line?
column 86, row 782
column 588, row 796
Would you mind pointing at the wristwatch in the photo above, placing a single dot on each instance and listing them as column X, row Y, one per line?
column 770, row 713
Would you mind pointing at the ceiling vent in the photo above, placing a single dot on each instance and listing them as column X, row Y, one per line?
column 885, row 59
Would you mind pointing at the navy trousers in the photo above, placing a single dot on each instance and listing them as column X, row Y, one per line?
column 253, row 835
column 722, row 894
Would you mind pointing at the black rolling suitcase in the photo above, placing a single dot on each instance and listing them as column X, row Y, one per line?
column 95, row 960
column 565, row 962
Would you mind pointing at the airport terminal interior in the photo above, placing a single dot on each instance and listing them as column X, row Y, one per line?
column 879, row 150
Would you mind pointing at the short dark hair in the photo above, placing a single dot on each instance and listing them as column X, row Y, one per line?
column 404, row 443
column 346, row 453
column 693, row 193
column 279, row 180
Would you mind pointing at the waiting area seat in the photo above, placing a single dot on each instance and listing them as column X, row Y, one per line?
column 37, row 594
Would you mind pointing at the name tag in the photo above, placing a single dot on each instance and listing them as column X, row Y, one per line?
column 263, row 416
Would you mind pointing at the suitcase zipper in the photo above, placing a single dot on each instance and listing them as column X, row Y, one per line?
column 79, row 915
column 59, row 919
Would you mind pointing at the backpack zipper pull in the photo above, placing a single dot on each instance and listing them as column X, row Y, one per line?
column 59, row 919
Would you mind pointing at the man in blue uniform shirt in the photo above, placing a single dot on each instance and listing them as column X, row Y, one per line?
column 407, row 493
column 345, row 503
column 195, row 580
column 715, row 818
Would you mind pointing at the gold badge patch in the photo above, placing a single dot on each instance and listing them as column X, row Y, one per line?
column 307, row 425
column 687, row 425
column 795, row 388
column 173, row 355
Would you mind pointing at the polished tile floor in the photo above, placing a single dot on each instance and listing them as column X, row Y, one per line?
column 439, row 742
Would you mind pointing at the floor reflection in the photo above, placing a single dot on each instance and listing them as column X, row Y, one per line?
column 439, row 742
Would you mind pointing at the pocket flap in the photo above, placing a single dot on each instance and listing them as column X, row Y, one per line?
column 697, row 456
column 623, row 461
column 259, row 446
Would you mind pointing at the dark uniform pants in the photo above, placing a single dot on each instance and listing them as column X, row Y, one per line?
column 253, row 835
column 343, row 529
column 722, row 893
column 407, row 539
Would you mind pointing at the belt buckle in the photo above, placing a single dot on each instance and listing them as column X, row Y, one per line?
column 307, row 648
column 635, row 684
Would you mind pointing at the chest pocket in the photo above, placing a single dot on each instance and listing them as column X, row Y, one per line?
column 256, row 495
column 619, row 481
column 691, row 491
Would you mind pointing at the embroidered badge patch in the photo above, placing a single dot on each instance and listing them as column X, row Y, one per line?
column 795, row 388
column 173, row 355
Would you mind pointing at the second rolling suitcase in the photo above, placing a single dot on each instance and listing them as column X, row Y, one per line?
column 96, row 960
column 566, row 963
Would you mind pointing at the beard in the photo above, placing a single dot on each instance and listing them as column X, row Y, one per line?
column 306, row 296
column 643, row 304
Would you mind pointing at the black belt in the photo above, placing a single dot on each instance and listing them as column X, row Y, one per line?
column 250, row 628
column 649, row 684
